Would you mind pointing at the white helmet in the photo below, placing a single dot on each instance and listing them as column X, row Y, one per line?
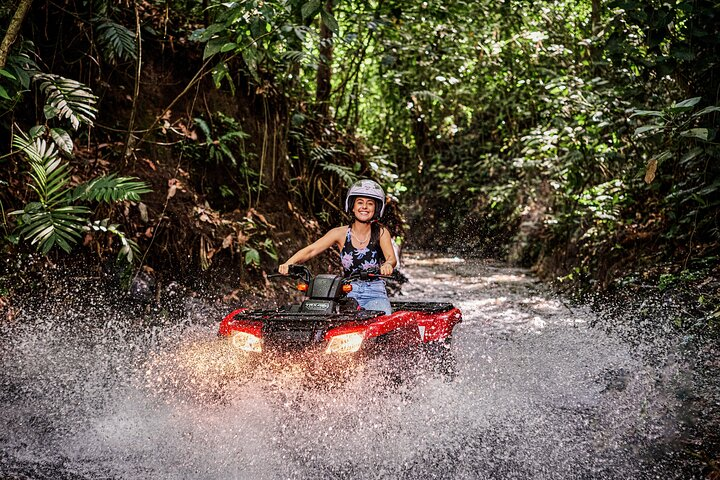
column 369, row 189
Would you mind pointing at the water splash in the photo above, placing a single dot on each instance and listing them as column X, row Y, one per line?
column 90, row 392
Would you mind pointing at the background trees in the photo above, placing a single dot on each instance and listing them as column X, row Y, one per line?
column 568, row 135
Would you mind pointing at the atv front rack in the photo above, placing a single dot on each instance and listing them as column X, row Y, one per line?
column 302, row 317
column 424, row 307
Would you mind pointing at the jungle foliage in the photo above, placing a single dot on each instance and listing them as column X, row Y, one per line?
column 580, row 137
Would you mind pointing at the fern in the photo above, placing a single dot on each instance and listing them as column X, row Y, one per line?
column 321, row 153
column 345, row 173
column 130, row 249
column 111, row 189
column 66, row 98
column 49, row 174
column 47, row 226
column 54, row 219
column 294, row 56
column 117, row 41
column 51, row 220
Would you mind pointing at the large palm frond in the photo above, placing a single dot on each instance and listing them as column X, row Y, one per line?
column 46, row 227
column 51, row 220
column 117, row 41
column 67, row 98
column 110, row 189
column 48, row 171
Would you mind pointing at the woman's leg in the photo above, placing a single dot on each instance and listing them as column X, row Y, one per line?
column 382, row 304
column 371, row 296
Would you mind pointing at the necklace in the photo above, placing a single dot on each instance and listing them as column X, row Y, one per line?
column 359, row 240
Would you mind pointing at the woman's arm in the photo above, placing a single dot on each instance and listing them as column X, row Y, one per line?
column 388, row 251
column 313, row 250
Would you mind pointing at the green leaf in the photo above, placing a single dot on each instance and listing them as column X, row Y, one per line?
column 329, row 21
column 50, row 111
column 310, row 9
column 110, row 189
column 648, row 128
column 685, row 105
column 705, row 111
column 7, row 74
column 645, row 113
column 221, row 72
column 212, row 47
column 37, row 131
column 252, row 256
column 704, row 134
column 116, row 41
column 66, row 98
column 62, row 140
column 250, row 57
column 228, row 46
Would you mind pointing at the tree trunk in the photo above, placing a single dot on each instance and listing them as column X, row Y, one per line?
column 324, row 73
column 13, row 30
column 595, row 27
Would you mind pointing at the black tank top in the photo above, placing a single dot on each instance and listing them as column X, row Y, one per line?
column 357, row 259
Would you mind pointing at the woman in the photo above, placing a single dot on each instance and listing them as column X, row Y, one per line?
column 363, row 245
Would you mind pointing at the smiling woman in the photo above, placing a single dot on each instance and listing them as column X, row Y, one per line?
column 364, row 244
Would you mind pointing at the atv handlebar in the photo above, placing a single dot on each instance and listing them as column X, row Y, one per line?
column 302, row 272
column 295, row 271
column 370, row 274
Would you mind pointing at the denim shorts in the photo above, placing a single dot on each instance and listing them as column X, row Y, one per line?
column 371, row 295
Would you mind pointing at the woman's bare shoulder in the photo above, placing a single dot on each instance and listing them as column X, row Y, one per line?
column 340, row 231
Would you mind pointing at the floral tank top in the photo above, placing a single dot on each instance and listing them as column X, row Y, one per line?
column 357, row 259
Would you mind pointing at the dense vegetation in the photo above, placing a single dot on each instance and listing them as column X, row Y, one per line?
column 579, row 137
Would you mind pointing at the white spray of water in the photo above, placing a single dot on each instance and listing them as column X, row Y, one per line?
column 538, row 394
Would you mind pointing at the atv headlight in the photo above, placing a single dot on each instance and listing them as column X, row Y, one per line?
column 246, row 341
column 346, row 343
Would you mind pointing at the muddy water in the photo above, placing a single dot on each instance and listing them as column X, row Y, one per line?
column 87, row 392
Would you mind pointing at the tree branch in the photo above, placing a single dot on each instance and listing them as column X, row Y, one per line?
column 13, row 30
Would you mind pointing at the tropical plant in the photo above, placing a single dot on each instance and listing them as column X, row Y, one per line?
column 55, row 218
column 50, row 220
column 116, row 41
column 67, row 99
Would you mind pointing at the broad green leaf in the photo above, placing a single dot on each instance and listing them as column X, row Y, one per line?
column 704, row 134
column 249, row 55
column 705, row 111
column 685, row 105
column 228, row 46
column 7, row 74
column 50, row 112
column 37, row 131
column 310, row 8
column 648, row 128
column 62, row 140
column 329, row 21
column 252, row 256
column 212, row 47
column 645, row 113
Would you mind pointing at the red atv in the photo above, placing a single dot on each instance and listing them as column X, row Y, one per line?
column 328, row 325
